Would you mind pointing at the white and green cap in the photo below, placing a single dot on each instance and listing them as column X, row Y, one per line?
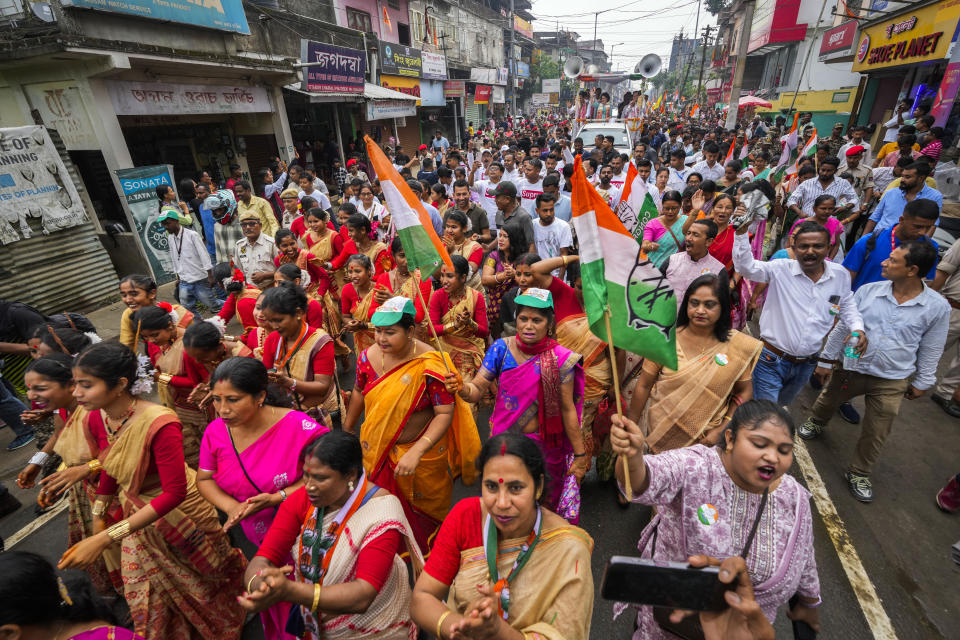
column 536, row 298
column 390, row 312
column 168, row 213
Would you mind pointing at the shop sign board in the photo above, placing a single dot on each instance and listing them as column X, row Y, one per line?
column 839, row 40
column 398, row 60
column 550, row 85
column 454, row 88
column 222, row 15
column 383, row 109
column 522, row 27
column 139, row 188
column 333, row 69
column 540, row 99
column 409, row 86
column 156, row 98
column 34, row 184
column 481, row 94
column 431, row 93
column 434, row 66
column 61, row 106
column 917, row 36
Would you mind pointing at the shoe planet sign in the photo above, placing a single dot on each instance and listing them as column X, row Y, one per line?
column 34, row 184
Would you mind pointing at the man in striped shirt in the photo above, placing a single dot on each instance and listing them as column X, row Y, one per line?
column 801, row 200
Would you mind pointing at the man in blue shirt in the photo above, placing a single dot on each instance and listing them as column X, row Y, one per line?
column 562, row 208
column 912, row 187
column 865, row 258
column 907, row 323
column 439, row 142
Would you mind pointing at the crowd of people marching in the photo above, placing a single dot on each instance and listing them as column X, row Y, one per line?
column 345, row 490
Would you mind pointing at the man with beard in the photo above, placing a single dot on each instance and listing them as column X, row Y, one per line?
column 912, row 187
column 607, row 191
column 802, row 199
column 479, row 224
column 510, row 171
column 684, row 267
column 619, row 174
column 804, row 296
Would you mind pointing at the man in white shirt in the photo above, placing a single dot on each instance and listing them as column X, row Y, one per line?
column 553, row 237
column 804, row 297
column 607, row 191
column 307, row 188
column 486, row 192
column 531, row 185
column 510, row 171
column 678, row 172
column 709, row 168
column 893, row 124
column 191, row 262
column 619, row 176
column 254, row 253
column 856, row 140
column 684, row 267
column 802, row 199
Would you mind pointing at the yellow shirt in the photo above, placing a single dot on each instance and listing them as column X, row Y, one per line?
column 896, row 184
column 890, row 147
column 268, row 221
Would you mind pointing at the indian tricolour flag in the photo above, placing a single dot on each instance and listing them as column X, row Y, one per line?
column 412, row 222
column 619, row 280
column 636, row 206
column 808, row 150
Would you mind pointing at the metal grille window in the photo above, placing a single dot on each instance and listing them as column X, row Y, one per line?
column 10, row 9
column 359, row 20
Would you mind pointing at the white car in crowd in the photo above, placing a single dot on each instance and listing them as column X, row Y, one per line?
column 619, row 131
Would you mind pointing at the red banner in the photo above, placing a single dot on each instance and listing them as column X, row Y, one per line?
column 839, row 37
column 482, row 94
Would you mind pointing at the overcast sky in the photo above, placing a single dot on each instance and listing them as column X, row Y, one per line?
column 643, row 26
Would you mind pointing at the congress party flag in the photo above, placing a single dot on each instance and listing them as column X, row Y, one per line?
column 729, row 157
column 636, row 206
column 619, row 280
column 412, row 222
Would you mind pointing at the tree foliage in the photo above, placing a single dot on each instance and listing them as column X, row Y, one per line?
column 716, row 6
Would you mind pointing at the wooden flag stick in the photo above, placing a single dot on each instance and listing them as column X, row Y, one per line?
column 616, row 391
column 426, row 313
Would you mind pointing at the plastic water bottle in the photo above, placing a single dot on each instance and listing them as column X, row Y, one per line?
column 850, row 355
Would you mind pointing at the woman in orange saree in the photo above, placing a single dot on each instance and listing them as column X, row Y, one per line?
column 326, row 244
column 417, row 435
column 357, row 302
column 180, row 574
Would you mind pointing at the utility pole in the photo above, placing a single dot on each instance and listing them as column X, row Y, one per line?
column 733, row 104
column 703, row 58
column 595, row 17
column 511, row 69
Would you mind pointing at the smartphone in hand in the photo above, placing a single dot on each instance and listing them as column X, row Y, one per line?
column 674, row 585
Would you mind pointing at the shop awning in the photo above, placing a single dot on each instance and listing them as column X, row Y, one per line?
column 370, row 92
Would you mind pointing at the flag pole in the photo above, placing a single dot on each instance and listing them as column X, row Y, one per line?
column 616, row 391
column 436, row 338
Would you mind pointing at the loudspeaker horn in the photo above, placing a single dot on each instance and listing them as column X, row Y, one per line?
column 649, row 65
column 573, row 67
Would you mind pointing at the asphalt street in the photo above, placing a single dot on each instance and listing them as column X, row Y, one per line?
column 901, row 540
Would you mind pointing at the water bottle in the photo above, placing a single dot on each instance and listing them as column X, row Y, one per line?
column 850, row 355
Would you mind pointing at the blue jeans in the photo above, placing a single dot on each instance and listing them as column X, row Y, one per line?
column 777, row 379
column 190, row 292
column 10, row 410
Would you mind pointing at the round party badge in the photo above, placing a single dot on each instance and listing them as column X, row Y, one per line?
column 707, row 514
column 721, row 359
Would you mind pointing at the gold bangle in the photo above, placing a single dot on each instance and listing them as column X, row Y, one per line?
column 250, row 582
column 119, row 531
column 99, row 507
column 428, row 439
column 443, row 617
column 316, row 596
column 165, row 378
column 95, row 466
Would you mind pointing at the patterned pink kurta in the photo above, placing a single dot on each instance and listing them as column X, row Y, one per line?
column 781, row 560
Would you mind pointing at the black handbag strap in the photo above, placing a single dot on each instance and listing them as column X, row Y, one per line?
column 756, row 524
column 240, row 462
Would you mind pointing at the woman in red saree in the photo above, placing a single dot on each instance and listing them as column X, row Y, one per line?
column 400, row 282
column 138, row 291
column 357, row 303
column 289, row 251
column 180, row 574
column 417, row 436
column 241, row 298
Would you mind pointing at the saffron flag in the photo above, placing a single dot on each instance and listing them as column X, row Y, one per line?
column 695, row 111
column 729, row 157
column 619, row 279
column 412, row 222
column 636, row 206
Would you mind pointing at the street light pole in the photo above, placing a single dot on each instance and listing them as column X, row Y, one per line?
column 611, row 54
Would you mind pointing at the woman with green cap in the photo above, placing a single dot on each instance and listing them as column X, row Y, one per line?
column 540, row 394
column 417, row 435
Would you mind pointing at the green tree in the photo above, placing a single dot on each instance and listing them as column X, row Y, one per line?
column 716, row 6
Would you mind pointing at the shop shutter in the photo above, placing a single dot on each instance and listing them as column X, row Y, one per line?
column 261, row 150
column 471, row 111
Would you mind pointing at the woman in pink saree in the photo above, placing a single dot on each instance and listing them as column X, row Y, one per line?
column 250, row 458
column 540, row 394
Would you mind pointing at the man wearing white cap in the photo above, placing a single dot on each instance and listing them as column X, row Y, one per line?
column 191, row 263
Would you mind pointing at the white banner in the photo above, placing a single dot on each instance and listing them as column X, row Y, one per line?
column 551, row 85
column 434, row 66
column 35, row 184
column 483, row 76
column 499, row 95
column 540, row 99
column 382, row 109
column 61, row 106
column 154, row 98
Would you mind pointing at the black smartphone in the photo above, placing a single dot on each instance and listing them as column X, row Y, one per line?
column 674, row 585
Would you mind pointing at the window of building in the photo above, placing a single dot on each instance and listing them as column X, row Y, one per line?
column 403, row 33
column 393, row 4
column 359, row 20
